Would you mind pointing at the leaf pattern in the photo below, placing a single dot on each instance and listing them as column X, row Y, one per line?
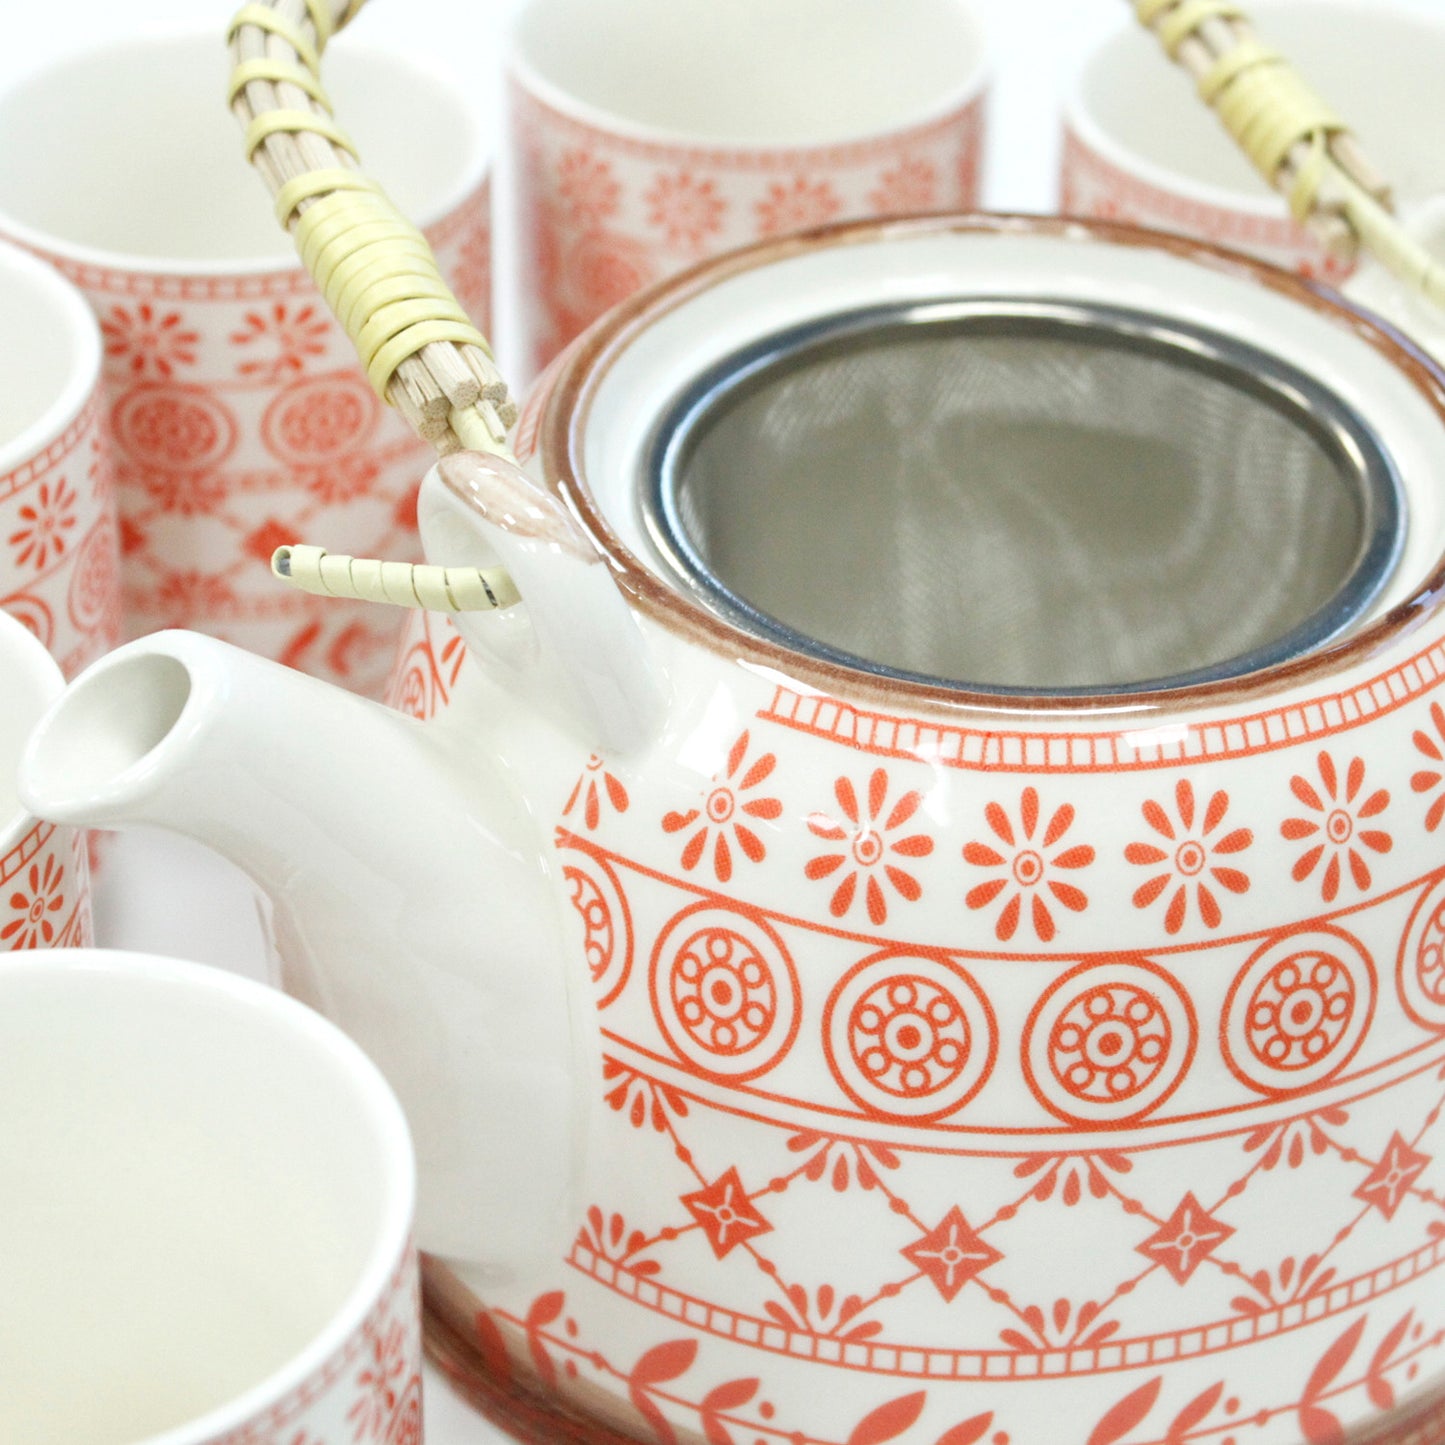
column 889, row 1421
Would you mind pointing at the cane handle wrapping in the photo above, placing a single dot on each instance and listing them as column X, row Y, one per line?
column 1290, row 135
column 437, row 589
column 418, row 348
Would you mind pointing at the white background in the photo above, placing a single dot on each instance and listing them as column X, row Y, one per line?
column 161, row 895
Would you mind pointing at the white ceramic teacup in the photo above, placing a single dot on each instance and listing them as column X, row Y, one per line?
column 648, row 134
column 58, row 560
column 1140, row 146
column 205, row 1214
column 237, row 414
column 44, row 877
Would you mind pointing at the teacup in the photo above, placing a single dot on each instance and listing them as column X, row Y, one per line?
column 649, row 134
column 58, row 560
column 1140, row 146
column 205, row 1214
column 44, row 876
column 238, row 416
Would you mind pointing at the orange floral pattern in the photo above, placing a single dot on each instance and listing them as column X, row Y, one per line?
column 797, row 205
column 146, row 343
column 1189, row 860
column 864, row 832
column 1335, row 837
column 293, row 334
column 45, row 525
column 1031, row 861
column 685, row 209
column 718, row 818
column 35, row 903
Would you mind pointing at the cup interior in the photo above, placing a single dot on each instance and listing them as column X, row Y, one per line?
column 129, row 151
column 202, row 1182
column 756, row 72
column 1378, row 66
column 50, row 358
column 29, row 682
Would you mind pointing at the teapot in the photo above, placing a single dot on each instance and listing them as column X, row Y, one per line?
column 818, row 1021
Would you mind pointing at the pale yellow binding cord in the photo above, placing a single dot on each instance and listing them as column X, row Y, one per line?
column 418, row 347
column 1293, row 139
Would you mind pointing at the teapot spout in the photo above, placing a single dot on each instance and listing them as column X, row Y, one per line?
column 410, row 903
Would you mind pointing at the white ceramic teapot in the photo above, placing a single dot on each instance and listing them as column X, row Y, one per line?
column 822, row 1023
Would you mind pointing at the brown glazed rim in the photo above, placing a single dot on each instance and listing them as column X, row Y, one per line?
column 584, row 368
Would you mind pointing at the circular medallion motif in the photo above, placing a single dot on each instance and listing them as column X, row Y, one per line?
column 1420, row 967
column 909, row 1036
column 606, row 925
column 95, row 582
column 320, row 418
column 724, row 991
column 173, row 427
column 1298, row 1010
column 1108, row 1042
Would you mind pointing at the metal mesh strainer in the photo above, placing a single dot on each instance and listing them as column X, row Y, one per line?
column 1061, row 497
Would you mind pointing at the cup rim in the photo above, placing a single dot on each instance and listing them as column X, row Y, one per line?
column 581, row 371
column 20, row 647
column 282, row 1013
column 83, row 379
column 1264, row 204
column 525, row 76
column 475, row 168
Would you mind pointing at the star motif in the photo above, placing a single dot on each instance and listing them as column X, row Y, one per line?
column 1185, row 1239
column 1390, row 1180
column 951, row 1254
column 725, row 1213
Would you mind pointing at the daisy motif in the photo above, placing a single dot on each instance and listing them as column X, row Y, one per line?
column 379, row 1384
column 724, row 812
column 1188, row 859
column 1031, row 861
column 291, row 333
column 41, row 535
column 35, row 903
column 911, row 185
column 147, row 343
column 587, row 188
column 865, row 836
column 194, row 594
column 1335, row 836
column 686, row 209
column 796, row 206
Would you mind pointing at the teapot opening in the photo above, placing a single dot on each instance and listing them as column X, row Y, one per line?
column 1024, row 496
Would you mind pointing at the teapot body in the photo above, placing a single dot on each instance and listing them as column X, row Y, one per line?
column 1026, row 1066
column 1040, row 1070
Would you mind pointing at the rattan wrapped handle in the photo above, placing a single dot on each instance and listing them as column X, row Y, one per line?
column 418, row 347
column 1291, row 136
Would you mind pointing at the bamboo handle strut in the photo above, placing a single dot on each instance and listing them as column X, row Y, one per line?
column 421, row 352
column 1293, row 139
